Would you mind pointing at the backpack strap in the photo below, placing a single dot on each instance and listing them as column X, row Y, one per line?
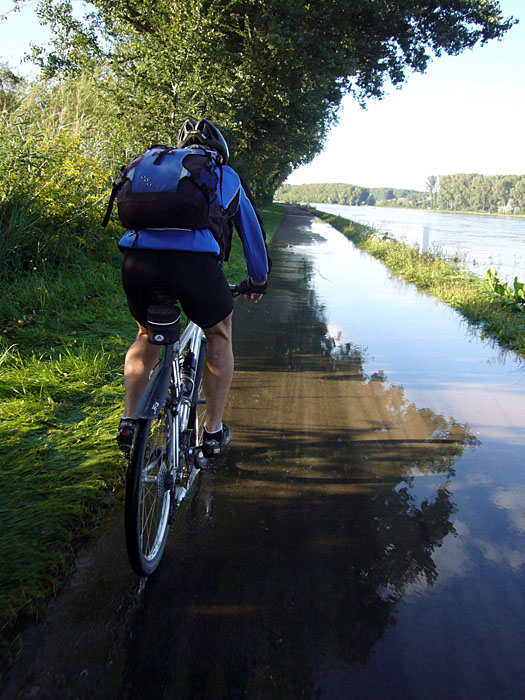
column 111, row 202
column 116, row 186
column 161, row 153
column 220, row 181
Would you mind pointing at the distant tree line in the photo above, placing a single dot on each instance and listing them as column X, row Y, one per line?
column 353, row 195
column 498, row 194
column 495, row 194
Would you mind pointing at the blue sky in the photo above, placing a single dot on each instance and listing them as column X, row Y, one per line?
column 465, row 114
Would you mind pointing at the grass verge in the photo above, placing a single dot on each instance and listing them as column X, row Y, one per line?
column 472, row 296
column 63, row 336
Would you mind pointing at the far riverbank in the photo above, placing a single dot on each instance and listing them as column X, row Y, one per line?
column 451, row 211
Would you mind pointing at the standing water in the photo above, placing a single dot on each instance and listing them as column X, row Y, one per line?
column 483, row 241
column 362, row 537
column 366, row 536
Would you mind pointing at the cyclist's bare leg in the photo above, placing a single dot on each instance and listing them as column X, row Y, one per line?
column 218, row 372
column 141, row 358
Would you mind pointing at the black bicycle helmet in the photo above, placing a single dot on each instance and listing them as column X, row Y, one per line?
column 203, row 133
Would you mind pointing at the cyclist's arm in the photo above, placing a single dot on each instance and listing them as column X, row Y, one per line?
column 252, row 240
column 248, row 193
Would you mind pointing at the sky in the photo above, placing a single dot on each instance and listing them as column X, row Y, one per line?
column 465, row 114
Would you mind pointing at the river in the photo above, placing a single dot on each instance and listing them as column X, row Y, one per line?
column 482, row 241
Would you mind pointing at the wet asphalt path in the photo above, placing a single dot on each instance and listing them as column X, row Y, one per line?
column 363, row 537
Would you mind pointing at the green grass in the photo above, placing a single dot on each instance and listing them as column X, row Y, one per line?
column 64, row 333
column 474, row 297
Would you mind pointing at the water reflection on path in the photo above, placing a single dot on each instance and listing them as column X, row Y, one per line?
column 364, row 541
column 364, row 535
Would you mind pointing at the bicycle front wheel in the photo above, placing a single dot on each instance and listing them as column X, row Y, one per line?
column 148, row 495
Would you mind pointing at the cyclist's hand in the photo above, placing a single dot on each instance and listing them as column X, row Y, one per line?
column 251, row 290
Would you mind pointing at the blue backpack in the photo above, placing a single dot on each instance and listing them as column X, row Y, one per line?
column 170, row 188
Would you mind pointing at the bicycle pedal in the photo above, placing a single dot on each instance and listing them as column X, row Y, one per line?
column 180, row 493
column 200, row 460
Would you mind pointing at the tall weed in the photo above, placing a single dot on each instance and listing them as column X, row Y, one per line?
column 51, row 196
column 512, row 296
column 59, row 150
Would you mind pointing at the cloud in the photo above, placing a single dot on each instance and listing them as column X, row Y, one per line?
column 512, row 501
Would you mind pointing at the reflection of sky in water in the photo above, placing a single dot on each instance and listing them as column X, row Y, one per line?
column 418, row 341
column 443, row 633
column 513, row 502
column 485, row 241
column 428, row 349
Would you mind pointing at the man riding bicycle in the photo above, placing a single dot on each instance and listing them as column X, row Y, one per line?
column 187, row 263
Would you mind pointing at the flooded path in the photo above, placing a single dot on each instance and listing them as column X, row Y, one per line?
column 364, row 536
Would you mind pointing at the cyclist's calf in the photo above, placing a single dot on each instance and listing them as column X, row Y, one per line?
column 218, row 371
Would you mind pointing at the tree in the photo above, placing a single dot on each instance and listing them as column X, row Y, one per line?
column 503, row 185
column 431, row 186
column 517, row 195
column 272, row 73
column 12, row 89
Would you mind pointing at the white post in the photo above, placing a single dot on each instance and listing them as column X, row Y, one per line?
column 423, row 240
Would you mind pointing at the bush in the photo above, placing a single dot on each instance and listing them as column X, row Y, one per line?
column 51, row 192
column 60, row 148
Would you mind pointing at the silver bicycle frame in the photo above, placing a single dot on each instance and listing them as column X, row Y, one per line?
column 191, row 338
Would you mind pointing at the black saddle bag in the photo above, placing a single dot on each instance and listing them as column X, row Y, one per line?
column 163, row 324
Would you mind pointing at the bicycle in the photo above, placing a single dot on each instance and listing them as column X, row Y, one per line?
column 166, row 453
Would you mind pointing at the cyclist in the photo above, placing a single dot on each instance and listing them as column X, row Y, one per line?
column 188, row 264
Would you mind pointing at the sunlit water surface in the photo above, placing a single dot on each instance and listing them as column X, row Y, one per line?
column 367, row 537
column 482, row 241
column 461, row 634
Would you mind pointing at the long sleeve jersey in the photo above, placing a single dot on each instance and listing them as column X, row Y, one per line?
column 233, row 198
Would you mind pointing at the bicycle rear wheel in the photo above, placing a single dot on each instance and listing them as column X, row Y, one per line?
column 147, row 504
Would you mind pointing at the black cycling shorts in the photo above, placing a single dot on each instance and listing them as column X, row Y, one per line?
column 196, row 280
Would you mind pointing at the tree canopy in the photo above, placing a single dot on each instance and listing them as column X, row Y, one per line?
column 270, row 73
column 502, row 194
